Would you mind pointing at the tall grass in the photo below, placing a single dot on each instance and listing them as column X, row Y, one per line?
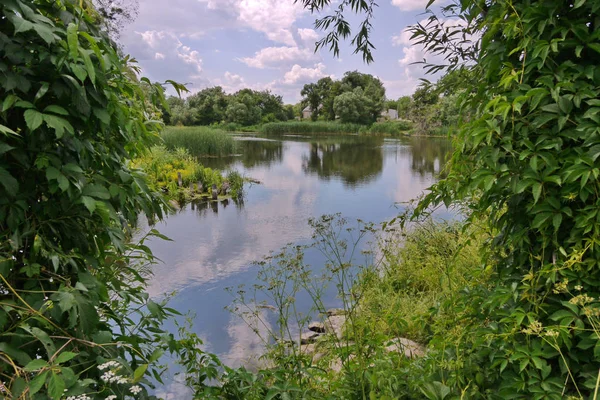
column 199, row 141
column 309, row 128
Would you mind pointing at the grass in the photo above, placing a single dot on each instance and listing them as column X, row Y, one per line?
column 309, row 128
column 199, row 141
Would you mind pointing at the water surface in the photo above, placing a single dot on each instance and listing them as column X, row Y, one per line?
column 215, row 245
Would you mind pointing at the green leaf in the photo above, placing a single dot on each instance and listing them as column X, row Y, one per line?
column 5, row 148
column 65, row 356
column 139, row 372
column 556, row 221
column 36, row 365
column 63, row 182
column 45, row 340
column 56, row 386
column 89, row 203
column 18, row 387
column 52, row 173
column 21, row 25
column 37, row 383
column 153, row 308
column 42, row 91
column 89, row 66
column 33, row 119
column 56, row 110
column 97, row 191
column 594, row 46
column 58, row 124
column 9, row 183
column 45, row 33
column 65, row 300
column 537, row 191
column 72, row 40
column 8, row 102
column 102, row 115
column 7, row 131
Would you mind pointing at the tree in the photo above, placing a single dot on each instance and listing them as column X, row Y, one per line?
column 115, row 14
column 372, row 88
column 353, row 107
column 311, row 98
column 404, row 105
column 209, row 105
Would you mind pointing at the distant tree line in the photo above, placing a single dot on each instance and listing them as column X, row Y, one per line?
column 356, row 98
column 213, row 106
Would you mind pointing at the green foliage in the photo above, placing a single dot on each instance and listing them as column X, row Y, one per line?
column 325, row 128
column 199, row 141
column 359, row 98
column 529, row 158
column 212, row 106
column 391, row 128
column 352, row 107
column 72, row 288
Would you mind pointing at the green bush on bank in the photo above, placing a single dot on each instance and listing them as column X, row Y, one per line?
column 199, row 141
column 390, row 128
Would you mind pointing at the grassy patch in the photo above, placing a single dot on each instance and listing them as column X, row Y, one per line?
column 309, row 128
column 199, row 141
column 162, row 167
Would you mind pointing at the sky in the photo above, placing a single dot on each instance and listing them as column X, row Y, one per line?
column 266, row 45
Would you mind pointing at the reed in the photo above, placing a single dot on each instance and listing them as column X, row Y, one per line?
column 199, row 141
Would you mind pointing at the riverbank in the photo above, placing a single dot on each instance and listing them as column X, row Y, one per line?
column 397, row 315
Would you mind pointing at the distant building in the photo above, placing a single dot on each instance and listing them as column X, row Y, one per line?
column 390, row 115
column 307, row 112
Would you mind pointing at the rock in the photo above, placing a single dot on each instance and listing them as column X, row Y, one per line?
column 408, row 347
column 316, row 327
column 335, row 325
column 224, row 188
column 214, row 192
column 309, row 337
column 335, row 311
column 173, row 203
column 311, row 350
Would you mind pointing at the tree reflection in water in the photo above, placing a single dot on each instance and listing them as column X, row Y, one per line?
column 355, row 160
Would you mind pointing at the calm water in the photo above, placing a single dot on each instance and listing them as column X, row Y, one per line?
column 214, row 245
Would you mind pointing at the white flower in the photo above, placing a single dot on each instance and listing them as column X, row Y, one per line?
column 135, row 389
column 111, row 397
column 109, row 364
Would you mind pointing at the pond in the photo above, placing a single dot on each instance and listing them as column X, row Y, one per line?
column 215, row 245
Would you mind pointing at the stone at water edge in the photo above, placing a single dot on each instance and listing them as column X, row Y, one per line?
column 335, row 325
column 309, row 337
column 318, row 327
column 335, row 311
column 215, row 194
column 408, row 347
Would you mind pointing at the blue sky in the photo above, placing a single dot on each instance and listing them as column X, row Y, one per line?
column 265, row 44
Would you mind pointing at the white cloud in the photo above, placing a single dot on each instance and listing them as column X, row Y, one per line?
column 274, row 18
column 303, row 75
column 159, row 56
column 308, row 36
column 410, row 5
column 191, row 57
column 402, row 39
column 278, row 56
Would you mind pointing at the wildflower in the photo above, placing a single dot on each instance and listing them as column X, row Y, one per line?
column 135, row 389
column 581, row 300
column 534, row 328
column 552, row 333
column 579, row 288
column 111, row 397
column 561, row 287
column 109, row 364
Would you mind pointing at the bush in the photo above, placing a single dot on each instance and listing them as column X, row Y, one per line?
column 199, row 141
column 392, row 128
